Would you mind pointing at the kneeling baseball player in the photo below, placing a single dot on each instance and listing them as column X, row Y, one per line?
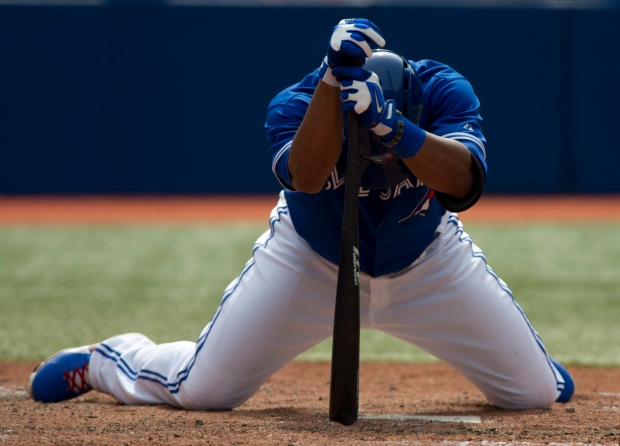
column 422, row 278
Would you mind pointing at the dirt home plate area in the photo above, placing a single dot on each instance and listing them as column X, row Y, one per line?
column 400, row 404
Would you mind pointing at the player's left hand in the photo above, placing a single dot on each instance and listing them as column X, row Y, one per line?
column 351, row 41
column 360, row 92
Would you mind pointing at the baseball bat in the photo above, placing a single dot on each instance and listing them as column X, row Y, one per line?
column 344, row 386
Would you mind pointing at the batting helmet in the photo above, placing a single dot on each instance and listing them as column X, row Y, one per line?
column 380, row 166
column 398, row 81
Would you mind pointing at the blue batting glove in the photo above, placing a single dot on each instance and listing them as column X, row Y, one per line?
column 360, row 92
column 351, row 40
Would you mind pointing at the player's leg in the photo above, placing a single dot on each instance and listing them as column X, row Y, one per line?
column 452, row 305
column 281, row 304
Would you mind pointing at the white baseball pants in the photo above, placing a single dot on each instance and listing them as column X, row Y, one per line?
column 449, row 303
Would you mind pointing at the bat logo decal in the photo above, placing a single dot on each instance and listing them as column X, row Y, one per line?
column 356, row 266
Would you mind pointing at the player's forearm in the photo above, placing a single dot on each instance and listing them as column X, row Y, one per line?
column 443, row 165
column 317, row 144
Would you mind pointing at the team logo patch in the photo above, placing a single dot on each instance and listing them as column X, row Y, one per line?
column 422, row 207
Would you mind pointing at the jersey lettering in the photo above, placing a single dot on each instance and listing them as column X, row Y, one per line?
column 336, row 180
column 404, row 185
column 385, row 194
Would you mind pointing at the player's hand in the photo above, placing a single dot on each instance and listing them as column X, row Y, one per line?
column 360, row 92
column 351, row 42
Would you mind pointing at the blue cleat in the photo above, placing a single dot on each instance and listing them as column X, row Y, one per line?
column 569, row 383
column 62, row 376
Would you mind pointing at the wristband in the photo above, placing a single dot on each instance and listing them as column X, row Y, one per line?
column 408, row 140
column 400, row 127
column 329, row 78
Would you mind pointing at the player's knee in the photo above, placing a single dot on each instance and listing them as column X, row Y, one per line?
column 212, row 402
column 539, row 393
column 536, row 398
column 214, row 395
column 206, row 402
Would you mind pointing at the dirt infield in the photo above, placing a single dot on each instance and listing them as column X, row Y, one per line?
column 400, row 404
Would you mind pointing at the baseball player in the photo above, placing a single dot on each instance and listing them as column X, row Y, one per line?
column 423, row 280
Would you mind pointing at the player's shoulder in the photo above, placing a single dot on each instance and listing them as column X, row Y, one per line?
column 429, row 70
column 299, row 92
column 290, row 105
column 441, row 83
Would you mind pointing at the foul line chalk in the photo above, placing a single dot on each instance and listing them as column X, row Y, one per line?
column 442, row 418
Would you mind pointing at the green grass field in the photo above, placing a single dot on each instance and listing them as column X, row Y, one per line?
column 68, row 286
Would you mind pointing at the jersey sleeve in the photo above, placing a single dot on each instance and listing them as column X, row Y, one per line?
column 453, row 112
column 284, row 116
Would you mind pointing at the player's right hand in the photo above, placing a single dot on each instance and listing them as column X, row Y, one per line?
column 351, row 42
column 362, row 94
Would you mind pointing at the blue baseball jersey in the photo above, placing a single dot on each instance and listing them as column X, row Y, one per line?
column 396, row 224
